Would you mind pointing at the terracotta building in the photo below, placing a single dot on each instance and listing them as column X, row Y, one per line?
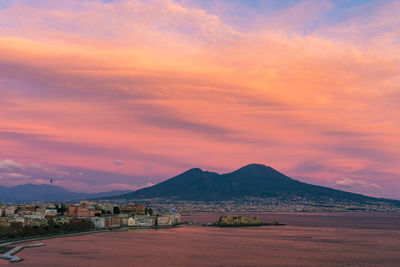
column 112, row 222
column 81, row 211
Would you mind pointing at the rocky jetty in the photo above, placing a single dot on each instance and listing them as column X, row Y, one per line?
column 10, row 254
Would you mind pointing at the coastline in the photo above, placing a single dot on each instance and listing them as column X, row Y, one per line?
column 261, row 243
column 17, row 241
column 193, row 219
column 345, row 221
column 119, row 229
column 245, row 246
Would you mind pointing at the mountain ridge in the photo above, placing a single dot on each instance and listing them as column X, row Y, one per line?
column 252, row 180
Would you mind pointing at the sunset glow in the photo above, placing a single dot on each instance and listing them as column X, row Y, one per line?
column 122, row 94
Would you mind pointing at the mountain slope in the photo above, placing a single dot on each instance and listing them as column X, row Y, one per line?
column 32, row 192
column 253, row 180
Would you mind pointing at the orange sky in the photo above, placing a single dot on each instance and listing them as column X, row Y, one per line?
column 310, row 89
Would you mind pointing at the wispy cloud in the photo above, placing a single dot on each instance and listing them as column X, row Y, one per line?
column 346, row 182
column 309, row 86
column 9, row 164
column 119, row 162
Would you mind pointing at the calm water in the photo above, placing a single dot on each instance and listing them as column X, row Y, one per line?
column 386, row 221
column 307, row 240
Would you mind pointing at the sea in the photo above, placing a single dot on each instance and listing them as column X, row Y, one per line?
column 306, row 239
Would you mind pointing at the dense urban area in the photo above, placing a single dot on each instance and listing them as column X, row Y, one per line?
column 272, row 204
column 28, row 220
column 35, row 219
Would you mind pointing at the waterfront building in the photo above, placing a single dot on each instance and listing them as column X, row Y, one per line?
column 43, row 214
column 112, row 222
column 168, row 219
column 124, row 219
column 98, row 222
column 143, row 220
column 131, row 221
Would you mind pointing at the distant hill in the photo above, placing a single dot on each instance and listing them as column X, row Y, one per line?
column 32, row 192
column 253, row 180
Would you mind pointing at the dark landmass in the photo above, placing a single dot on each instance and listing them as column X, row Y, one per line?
column 231, row 220
column 31, row 192
column 241, row 221
column 251, row 181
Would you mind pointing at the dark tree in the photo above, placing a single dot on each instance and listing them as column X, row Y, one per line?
column 116, row 210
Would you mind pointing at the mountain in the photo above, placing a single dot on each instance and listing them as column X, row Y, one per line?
column 254, row 180
column 32, row 192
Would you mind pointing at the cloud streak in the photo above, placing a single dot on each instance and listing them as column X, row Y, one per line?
column 346, row 182
column 119, row 162
column 9, row 164
column 310, row 88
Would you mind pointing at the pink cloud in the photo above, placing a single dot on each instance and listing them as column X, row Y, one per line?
column 86, row 83
column 9, row 164
column 346, row 182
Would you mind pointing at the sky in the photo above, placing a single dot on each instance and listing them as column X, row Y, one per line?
column 122, row 94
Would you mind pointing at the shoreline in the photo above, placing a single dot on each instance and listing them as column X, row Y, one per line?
column 9, row 255
column 119, row 229
column 37, row 238
column 284, row 245
column 4, row 243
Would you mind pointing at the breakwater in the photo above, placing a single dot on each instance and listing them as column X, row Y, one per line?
column 9, row 255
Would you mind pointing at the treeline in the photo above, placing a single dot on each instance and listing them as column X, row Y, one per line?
column 17, row 231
